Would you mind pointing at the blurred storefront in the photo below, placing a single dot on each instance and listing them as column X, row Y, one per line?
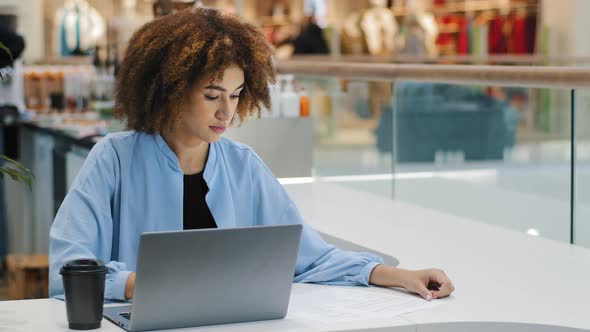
column 476, row 150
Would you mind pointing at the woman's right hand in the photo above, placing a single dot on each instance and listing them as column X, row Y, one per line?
column 130, row 286
column 430, row 283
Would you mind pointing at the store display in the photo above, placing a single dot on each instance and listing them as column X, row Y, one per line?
column 379, row 28
column 442, row 27
column 488, row 32
column 352, row 41
column 78, row 28
column 428, row 23
column 420, row 33
column 66, row 88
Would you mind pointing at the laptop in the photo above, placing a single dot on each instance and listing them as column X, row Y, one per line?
column 211, row 276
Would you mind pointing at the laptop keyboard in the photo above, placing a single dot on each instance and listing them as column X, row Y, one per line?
column 126, row 315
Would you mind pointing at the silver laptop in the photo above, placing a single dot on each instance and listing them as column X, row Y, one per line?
column 211, row 276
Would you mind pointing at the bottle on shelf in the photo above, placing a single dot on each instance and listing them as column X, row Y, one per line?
column 96, row 58
column 304, row 104
column 115, row 62
column 108, row 62
column 275, row 100
column 289, row 99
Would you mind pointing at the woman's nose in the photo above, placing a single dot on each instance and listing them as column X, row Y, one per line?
column 222, row 112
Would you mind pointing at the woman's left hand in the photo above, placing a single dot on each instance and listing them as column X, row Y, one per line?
column 430, row 283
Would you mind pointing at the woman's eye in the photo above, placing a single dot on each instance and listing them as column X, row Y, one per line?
column 211, row 97
column 235, row 96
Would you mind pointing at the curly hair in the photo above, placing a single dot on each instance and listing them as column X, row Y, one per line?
column 166, row 56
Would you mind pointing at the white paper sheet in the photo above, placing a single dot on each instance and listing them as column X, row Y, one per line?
column 339, row 304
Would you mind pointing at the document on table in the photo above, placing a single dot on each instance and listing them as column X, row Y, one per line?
column 339, row 304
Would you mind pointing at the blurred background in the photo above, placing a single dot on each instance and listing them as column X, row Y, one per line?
column 495, row 154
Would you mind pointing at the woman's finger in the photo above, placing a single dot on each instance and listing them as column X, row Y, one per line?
column 446, row 288
column 423, row 291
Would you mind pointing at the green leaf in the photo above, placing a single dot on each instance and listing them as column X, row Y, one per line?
column 16, row 175
column 19, row 174
column 17, row 164
column 5, row 49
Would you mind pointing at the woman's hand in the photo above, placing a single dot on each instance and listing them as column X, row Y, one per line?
column 430, row 284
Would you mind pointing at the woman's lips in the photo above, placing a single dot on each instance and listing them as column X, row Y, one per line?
column 217, row 129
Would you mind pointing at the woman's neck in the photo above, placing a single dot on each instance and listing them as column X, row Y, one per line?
column 191, row 152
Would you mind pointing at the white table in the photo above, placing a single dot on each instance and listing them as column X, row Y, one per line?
column 505, row 280
column 501, row 276
column 49, row 315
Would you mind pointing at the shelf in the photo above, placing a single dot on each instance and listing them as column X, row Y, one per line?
column 448, row 30
column 267, row 21
column 472, row 6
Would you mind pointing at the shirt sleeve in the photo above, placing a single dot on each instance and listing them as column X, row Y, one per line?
column 317, row 261
column 83, row 226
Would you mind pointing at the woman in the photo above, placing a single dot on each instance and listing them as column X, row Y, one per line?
column 183, row 80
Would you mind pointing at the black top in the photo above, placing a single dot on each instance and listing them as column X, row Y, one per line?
column 196, row 212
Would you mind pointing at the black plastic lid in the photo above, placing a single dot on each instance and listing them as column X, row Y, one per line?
column 57, row 101
column 83, row 266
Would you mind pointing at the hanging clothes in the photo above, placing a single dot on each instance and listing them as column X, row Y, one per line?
column 379, row 27
column 431, row 30
column 444, row 39
column 311, row 41
column 508, row 34
column 519, row 42
column 463, row 36
column 497, row 43
column 531, row 33
column 471, row 33
column 351, row 37
column 483, row 39
column 475, row 38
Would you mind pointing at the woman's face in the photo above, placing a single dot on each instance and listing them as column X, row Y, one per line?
column 212, row 105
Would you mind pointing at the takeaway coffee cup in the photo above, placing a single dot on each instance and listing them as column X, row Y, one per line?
column 83, row 281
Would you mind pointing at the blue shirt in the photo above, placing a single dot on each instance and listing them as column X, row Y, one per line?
column 131, row 183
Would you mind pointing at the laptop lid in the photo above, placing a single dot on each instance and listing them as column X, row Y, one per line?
column 214, row 276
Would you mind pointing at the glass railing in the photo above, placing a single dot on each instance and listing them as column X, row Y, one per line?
column 582, row 168
column 506, row 59
column 496, row 155
column 491, row 145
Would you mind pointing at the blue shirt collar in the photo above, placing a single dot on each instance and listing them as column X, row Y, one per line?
column 173, row 162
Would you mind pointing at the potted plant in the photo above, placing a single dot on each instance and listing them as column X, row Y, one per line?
column 13, row 169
